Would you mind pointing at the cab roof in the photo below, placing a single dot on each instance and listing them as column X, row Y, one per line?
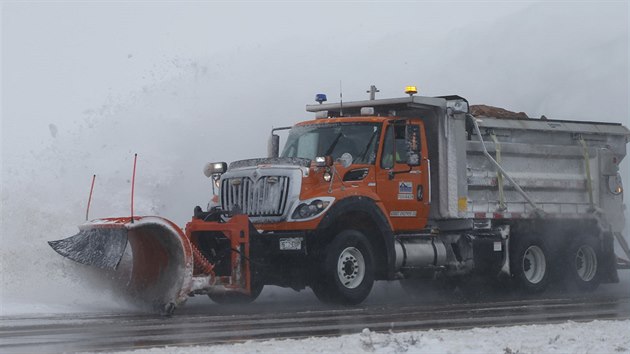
column 389, row 107
column 345, row 119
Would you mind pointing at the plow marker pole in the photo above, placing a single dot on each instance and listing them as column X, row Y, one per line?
column 133, row 183
column 87, row 211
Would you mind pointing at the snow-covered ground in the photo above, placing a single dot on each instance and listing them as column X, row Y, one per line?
column 570, row 337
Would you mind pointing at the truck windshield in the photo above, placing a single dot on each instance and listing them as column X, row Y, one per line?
column 358, row 139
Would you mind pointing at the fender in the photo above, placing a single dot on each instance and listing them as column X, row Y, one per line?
column 370, row 208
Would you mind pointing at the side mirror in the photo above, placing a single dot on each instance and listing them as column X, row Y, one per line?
column 412, row 137
column 214, row 168
column 323, row 161
column 273, row 147
column 345, row 159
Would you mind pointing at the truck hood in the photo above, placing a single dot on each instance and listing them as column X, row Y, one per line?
column 278, row 161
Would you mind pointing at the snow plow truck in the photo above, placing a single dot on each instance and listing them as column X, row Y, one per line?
column 410, row 189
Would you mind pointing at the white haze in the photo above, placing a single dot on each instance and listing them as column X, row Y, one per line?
column 87, row 85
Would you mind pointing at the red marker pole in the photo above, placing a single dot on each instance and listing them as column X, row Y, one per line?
column 133, row 183
column 87, row 212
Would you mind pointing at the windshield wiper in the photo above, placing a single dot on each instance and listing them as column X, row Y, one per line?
column 367, row 147
column 332, row 146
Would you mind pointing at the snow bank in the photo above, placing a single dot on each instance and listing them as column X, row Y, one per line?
column 570, row 337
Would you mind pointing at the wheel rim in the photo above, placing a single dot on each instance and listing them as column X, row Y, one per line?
column 534, row 264
column 586, row 263
column 351, row 267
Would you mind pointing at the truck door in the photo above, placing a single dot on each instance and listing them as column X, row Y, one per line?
column 402, row 175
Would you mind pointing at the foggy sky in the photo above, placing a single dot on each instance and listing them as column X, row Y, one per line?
column 208, row 80
column 86, row 85
column 189, row 83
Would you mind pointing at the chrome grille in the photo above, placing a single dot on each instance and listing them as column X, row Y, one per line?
column 266, row 196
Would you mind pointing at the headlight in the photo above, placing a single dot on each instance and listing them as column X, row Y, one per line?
column 311, row 208
column 327, row 176
column 214, row 168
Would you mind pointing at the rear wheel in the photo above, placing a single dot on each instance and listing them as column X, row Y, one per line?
column 582, row 264
column 346, row 274
column 237, row 298
column 530, row 264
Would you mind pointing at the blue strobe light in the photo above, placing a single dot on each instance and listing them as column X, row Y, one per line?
column 320, row 97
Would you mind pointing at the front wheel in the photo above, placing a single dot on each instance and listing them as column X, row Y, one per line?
column 346, row 274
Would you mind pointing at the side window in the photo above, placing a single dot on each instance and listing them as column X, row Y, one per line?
column 401, row 143
column 395, row 146
column 412, row 136
column 387, row 158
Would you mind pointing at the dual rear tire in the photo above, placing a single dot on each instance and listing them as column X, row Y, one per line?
column 530, row 264
column 582, row 264
column 535, row 264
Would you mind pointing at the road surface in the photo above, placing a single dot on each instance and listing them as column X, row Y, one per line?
column 279, row 315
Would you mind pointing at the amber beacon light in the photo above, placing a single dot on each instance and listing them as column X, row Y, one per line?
column 411, row 90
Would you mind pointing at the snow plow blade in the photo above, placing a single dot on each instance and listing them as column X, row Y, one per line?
column 167, row 264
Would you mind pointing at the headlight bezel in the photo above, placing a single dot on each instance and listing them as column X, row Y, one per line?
column 310, row 209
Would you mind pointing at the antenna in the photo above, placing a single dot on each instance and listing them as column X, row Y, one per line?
column 133, row 183
column 87, row 211
column 340, row 100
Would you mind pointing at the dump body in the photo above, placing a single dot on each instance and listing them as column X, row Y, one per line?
column 548, row 159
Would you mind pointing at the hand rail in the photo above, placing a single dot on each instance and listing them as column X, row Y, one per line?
column 497, row 149
column 498, row 166
column 587, row 168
